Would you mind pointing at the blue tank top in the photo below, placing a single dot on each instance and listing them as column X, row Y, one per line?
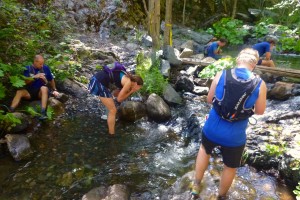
column 223, row 132
column 104, row 78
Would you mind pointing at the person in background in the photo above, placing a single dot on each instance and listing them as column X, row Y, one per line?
column 265, row 48
column 213, row 49
column 127, row 84
column 244, row 95
column 39, row 75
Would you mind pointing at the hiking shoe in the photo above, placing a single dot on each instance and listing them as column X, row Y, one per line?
column 43, row 117
column 195, row 191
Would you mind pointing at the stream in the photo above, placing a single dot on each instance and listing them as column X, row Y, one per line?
column 75, row 154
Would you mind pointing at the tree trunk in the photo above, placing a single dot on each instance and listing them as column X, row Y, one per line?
column 234, row 9
column 148, row 15
column 183, row 12
column 154, row 17
column 168, row 24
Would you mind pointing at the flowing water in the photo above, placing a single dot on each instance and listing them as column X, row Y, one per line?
column 75, row 155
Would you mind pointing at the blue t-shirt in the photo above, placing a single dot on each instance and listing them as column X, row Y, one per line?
column 211, row 50
column 262, row 48
column 223, row 132
column 38, row 83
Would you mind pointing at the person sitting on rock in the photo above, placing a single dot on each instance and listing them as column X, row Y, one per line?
column 126, row 83
column 213, row 49
column 265, row 48
column 39, row 75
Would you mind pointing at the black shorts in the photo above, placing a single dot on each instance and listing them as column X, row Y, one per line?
column 231, row 155
column 259, row 62
column 34, row 92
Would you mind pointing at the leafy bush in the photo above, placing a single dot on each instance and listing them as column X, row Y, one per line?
column 275, row 150
column 297, row 191
column 231, row 29
column 211, row 70
column 154, row 82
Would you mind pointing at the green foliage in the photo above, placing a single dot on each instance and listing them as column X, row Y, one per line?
column 16, row 81
column 275, row 150
column 154, row 82
column 231, row 29
column 260, row 30
column 7, row 121
column 211, row 70
column 297, row 191
column 288, row 12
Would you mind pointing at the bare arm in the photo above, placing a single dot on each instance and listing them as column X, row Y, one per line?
column 126, row 91
column 268, row 55
column 260, row 104
column 53, row 87
column 213, row 87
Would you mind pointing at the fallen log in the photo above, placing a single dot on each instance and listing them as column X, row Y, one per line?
column 294, row 73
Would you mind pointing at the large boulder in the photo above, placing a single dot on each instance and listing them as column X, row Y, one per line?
column 170, row 95
column 132, row 111
column 157, row 109
column 69, row 86
column 172, row 55
column 18, row 146
column 281, row 91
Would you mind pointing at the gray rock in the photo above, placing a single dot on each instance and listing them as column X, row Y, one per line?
column 132, row 111
column 69, row 86
column 165, row 68
column 157, row 109
column 18, row 146
column 171, row 96
column 186, row 53
column 172, row 55
column 147, row 40
column 187, row 45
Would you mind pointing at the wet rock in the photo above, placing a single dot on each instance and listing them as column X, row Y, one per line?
column 191, row 70
column 172, row 55
column 115, row 192
column 183, row 83
column 281, row 91
column 131, row 46
column 18, row 146
column 201, row 90
column 58, row 107
column 203, row 82
column 132, row 111
column 157, row 109
column 171, row 96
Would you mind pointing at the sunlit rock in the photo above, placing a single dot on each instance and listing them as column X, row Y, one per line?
column 157, row 109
